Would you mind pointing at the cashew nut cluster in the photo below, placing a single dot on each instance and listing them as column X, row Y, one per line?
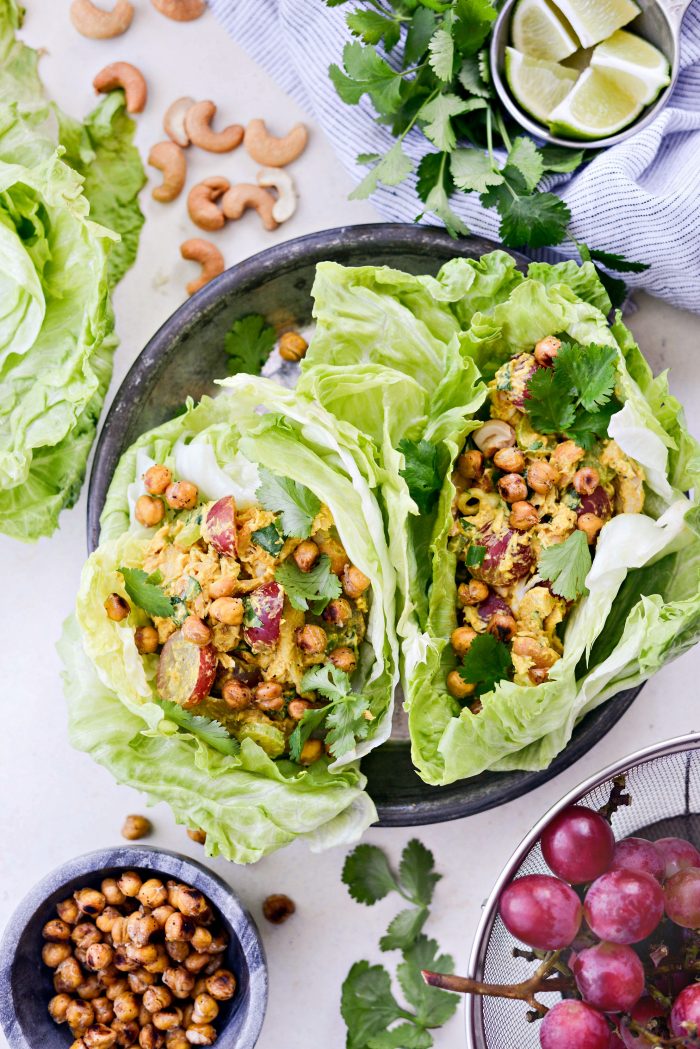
column 126, row 76
column 98, row 24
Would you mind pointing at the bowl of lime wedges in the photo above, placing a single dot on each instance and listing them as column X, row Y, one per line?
column 586, row 75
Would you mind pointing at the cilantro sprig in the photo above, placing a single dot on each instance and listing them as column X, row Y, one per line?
column 296, row 503
column 248, row 344
column 145, row 591
column 312, row 589
column 374, row 1017
column 566, row 566
column 421, row 472
column 208, row 730
column 347, row 716
column 486, row 662
column 574, row 397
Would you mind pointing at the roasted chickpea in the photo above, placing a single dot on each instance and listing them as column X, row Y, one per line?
column 457, row 686
column 156, row 479
column 306, row 555
column 337, row 612
column 311, row 639
column 117, row 608
column 123, row 962
column 99, row 956
column 140, row 980
column 343, row 658
column 590, row 525
column 566, row 454
column 111, row 891
column 68, row 976
column 126, row 1006
column 78, row 1044
column 335, row 552
column 538, row 674
column 99, row 1036
column 167, row 1019
column 541, row 477
column 277, row 908
column 135, row 827
column 586, row 480
column 176, row 1039
column 541, row 655
column 222, row 587
column 502, row 625
column 523, row 516
column 472, row 593
column 174, row 889
column 146, row 639
column 512, row 488
column 227, row 610
column 177, row 950
column 68, row 911
column 196, row 963
column 56, row 930
column 201, row 1034
column 192, row 902
column 180, row 982
column 236, row 695
column 201, row 939
column 511, row 460
column 181, row 495
column 311, row 752
column 58, row 1007
column 197, row 834
column 157, row 998
column 120, row 986
column 219, row 943
column 162, row 913
column 90, row 988
column 104, row 1013
column 206, row 1009
column 354, row 581
column 268, row 695
column 222, row 985
column 145, row 955
column 79, row 1015
column 127, row 1032
column 162, row 961
column 546, row 350
column 196, row 630
column 152, row 894
column 149, row 1037
column 52, row 954
column 470, row 464
column 461, row 639
column 149, row 511
column 118, row 931
column 292, row 346
column 179, row 927
column 297, row 708
column 140, row 928
column 85, row 934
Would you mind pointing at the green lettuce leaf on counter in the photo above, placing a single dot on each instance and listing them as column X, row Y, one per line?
column 68, row 193
column 247, row 801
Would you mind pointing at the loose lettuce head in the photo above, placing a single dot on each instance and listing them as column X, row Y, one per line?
column 643, row 601
column 248, row 804
column 67, row 193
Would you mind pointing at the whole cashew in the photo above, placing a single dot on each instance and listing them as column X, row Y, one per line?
column 170, row 159
column 208, row 255
column 246, row 195
column 98, row 24
column 198, row 126
column 174, row 120
column 123, row 74
column 286, row 203
column 274, row 152
column 200, row 202
column 180, row 10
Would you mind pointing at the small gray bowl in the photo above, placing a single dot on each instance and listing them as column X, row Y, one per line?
column 25, row 982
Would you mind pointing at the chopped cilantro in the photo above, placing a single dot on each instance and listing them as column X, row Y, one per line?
column 250, row 616
column 295, row 502
column 486, row 662
column 180, row 611
column 566, row 565
column 475, row 555
column 144, row 591
column 249, row 344
column 207, row 730
column 573, row 397
column 270, row 538
column 313, row 589
column 421, row 472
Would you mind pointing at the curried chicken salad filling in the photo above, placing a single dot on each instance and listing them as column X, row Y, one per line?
column 534, row 486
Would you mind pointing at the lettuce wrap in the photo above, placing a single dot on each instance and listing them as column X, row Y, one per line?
column 69, row 227
column 247, row 797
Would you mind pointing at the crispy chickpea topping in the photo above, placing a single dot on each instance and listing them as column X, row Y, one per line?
column 146, row 639
column 311, row 639
column 541, row 476
column 590, row 525
column 310, row 752
column 90, row 901
column 156, row 479
column 472, row 593
column 134, row 827
column 236, row 695
column 149, row 511
column 278, row 908
column 181, row 495
column 470, row 465
column 52, row 954
column 269, row 696
column 546, row 350
column 117, row 607
column 194, row 834
column 502, row 625
column 512, row 487
column 306, row 555
column 586, row 480
column 461, row 639
column 292, row 346
column 523, row 516
column 510, row 460
column 355, row 582
column 228, row 610
column 457, row 686
column 297, row 708
column 196, row 631
column 344, row 659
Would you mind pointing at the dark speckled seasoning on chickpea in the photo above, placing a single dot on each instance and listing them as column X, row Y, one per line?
column 134, row 828
column 277, row 908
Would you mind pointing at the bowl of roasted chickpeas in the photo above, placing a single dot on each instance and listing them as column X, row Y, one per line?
column 132, row 946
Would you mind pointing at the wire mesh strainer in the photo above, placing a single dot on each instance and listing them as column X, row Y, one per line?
column 664, row 783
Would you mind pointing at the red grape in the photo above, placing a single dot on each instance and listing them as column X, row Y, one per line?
column 677, row 853
column 624, row 906
column 686, row 1010
column 644, row 1011
column 609, row 976
column 574, row 1025
column 682, row 893
column 638, row 854
column 541, row 911
column 578, row 845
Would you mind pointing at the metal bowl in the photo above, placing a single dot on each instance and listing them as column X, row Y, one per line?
column 185, row 356
column 25, row 983
column 664, row 783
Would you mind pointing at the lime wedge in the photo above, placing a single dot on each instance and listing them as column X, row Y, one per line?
column 538, row 30
column 595, row 20
column 597, row 106
column 630, row 56
column 538, row 86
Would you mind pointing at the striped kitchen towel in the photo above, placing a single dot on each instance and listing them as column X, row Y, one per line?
column 640, row 198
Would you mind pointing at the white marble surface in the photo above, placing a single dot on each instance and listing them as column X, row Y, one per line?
column 57, row 803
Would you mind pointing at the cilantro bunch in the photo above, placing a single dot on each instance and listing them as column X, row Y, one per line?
column 374, row 1017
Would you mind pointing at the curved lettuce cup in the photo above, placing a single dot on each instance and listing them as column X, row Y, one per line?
column 248, row 802
column 642, row 605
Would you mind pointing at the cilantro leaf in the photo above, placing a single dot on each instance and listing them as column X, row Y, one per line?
column 144, row 592
column 295, row 502
column 392, row 169
column 249, row 344
column 549, row 410
column 207, row 730
column 367, row 874
column 561, row 159
column 331, row 682
column 525, row 156
column 404, row 1036
column 566, row 565
column 588, row 427
column 311, row 720
column 617, row 262
column 346, row 715
column 416, row 872
column 574, row 397
column 367, row 1005
column 313, row 589
column 432, row 169
column 270, row 538
column 438, row 202
column 346, row 723
column 486, row 662
column 474, row 20
column 374, row 27
column 368, row 72
column 472, row 170
column 433, row 1006
column 420, row 30
column 404, row 928
column 588, row 371
column 437, row 115
column 475, row 555
column 471, row 77
column 528, row 219
column 442, row 54
column 421, row 472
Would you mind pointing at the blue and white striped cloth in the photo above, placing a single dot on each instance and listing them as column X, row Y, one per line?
column 640, row 198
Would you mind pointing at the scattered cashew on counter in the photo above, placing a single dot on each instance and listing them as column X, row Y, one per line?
column 273, row 152
column 198, row 120
column 170, row 159
column 98, row 24
column 245, row 195
column 174, row 120
column 180, row 10
column 286, row 203
column 123, row 74
column 208, row 256
column 201, row 205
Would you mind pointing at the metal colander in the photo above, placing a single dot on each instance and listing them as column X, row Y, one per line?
column 664, row 783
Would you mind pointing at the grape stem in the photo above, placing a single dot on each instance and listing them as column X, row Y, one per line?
column 618, row 799
column 657, row 1039
column 539, row 982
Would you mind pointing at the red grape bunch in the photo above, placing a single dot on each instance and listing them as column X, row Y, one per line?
column 624, row 920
